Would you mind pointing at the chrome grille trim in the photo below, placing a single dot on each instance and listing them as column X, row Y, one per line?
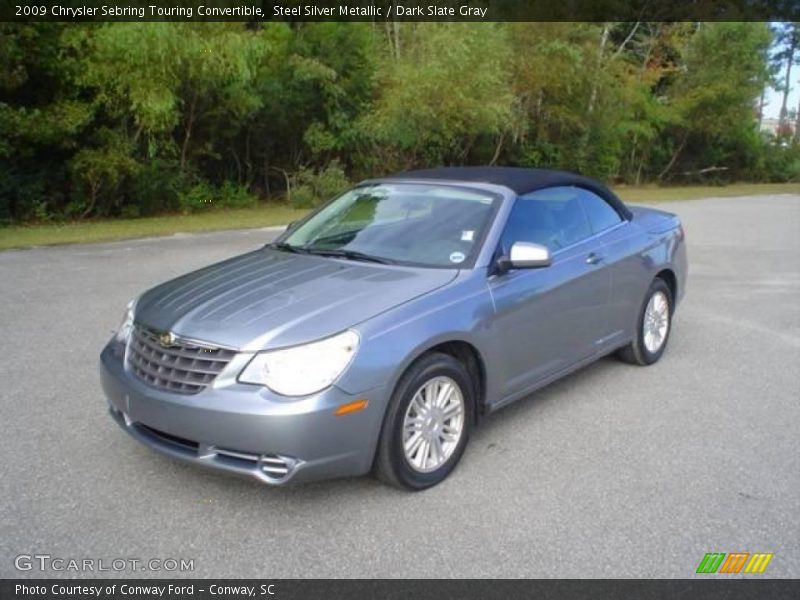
column 276, row 466
column 186, row 367
column 253, row 458
column 273, row 466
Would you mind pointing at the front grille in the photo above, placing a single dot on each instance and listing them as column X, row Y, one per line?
column 182, row 367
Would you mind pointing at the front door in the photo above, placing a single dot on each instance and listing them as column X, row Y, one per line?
column 550, row 318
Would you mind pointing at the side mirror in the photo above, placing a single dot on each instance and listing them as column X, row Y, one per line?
column 526, row 255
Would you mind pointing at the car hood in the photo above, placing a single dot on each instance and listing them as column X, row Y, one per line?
column 270, row 299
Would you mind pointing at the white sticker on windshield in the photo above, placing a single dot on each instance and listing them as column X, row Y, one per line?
column 467, row 235
column 457, row 257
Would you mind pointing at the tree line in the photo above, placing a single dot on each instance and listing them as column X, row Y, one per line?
column 132, row 119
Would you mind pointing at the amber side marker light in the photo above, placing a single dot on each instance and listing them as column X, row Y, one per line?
column 351, row 407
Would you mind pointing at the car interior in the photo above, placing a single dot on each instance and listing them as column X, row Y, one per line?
column 555, row 220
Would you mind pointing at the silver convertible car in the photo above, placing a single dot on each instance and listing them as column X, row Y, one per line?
column 376, row 332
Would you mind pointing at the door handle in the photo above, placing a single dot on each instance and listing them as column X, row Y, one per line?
column 593, row 259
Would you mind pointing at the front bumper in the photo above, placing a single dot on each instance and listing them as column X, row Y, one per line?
column 245, row 429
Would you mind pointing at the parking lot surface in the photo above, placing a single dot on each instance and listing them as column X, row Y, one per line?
column 615, row 471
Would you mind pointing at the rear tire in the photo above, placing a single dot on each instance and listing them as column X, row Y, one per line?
column 427, row 423
column 653, row 326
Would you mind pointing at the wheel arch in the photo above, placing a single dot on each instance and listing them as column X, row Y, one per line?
column 668, row 276
column 467, row 354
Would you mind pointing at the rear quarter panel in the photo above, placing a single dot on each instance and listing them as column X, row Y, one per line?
column 660, row 244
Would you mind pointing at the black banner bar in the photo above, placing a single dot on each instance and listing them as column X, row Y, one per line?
column 416, row 589
column 399, row 10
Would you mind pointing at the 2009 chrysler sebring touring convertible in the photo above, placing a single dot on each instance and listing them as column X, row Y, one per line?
column 374, row 333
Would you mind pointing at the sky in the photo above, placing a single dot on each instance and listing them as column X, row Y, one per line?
column 773, row 98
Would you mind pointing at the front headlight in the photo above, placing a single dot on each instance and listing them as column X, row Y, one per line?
column 305, row 369
column 125, row 327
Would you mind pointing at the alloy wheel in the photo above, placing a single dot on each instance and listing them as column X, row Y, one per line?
column 656, row 322
column 433, row 424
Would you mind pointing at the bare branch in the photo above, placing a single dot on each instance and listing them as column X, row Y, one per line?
column 626, row 40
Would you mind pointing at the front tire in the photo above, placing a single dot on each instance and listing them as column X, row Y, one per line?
column 653, row 326
column 427, row 424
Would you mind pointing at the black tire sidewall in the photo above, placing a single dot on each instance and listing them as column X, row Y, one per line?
column 424, row 370
column 658, row 285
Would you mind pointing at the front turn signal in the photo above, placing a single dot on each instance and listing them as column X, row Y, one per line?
column 351, row 407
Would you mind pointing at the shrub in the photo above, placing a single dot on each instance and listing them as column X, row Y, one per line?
column 235, row 196
column 782, row 163
column 198, row 197
column 156, row 188
column 311, row 188
column 204, row 196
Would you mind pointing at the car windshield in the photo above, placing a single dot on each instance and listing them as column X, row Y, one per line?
column 421, row 224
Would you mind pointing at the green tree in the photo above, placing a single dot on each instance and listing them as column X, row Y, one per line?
column 176, row 78
column 130, row 119
column 100, row 169
column 42, row 117
column 725, row 69
column 449, row 88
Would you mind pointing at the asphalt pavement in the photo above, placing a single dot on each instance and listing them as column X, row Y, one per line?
column 615, row 471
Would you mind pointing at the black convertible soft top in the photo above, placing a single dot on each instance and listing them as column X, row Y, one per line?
column 519, row 179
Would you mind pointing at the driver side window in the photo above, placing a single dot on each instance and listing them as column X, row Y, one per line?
column 552, row 217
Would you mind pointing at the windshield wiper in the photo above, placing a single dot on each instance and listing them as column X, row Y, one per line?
column 335, row 252
column 350, row 255
column 288, row 248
